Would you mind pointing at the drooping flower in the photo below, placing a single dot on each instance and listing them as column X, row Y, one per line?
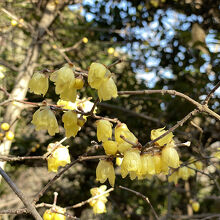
column 110, row 147
column 104, row 171
column 131, row 160
column 165, row 140
column 170, row 156
column 70, row 121
column 54, row 213
column 104, row 130
column 59, row 157
column 195, row 206
column 44, row 118
column 107, row 90
column 64, row 80
column 39, row 84
column 97, row 74
column 99, row 207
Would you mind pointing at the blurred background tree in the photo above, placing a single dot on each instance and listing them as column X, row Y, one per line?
column 164, row 44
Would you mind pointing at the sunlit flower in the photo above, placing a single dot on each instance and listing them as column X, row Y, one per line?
column 104, row 130
column 39, row 84
column 44, row 118
column 165, row 140
column 59, row 157
column 110, row 147
column 104, row 171
column 170, row 156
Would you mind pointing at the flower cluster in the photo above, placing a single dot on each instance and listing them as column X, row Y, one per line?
column 184, row 172
column 6, row 132
column 44, row 118
column 100, row 78
column 136, row 162
column 98, row 203
column 59, row 156
column 54, row 213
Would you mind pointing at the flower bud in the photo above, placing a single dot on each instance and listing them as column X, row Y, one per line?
column 9, row 135
column 104, row 171
column 48, row 215
column 39, row 84
column 59, row 157
column 97, row 74
column 132, row 160
column 119, row 161
column 70, row 123
column 79, row 83
column 110, row 147
column 5, row 126
column 107, row 90
column 44, row 118
column 104, row 130
column 170, row 156
column 195, row 206
column 165, row 140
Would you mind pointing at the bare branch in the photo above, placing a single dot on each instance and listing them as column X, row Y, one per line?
column 143, row 197
column 29, row 206
column 209, row 96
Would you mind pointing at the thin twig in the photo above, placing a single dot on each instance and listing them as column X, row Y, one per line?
column 209, row 96
column 115, row 63
column 89, row 200
column 143, row 197
column 179, row 123
column 29, row 206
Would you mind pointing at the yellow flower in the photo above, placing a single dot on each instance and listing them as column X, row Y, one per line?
column 98, row 73
column 59, row 157
column 5, row 126
column 122, row 130
column 104, row 171
column 147, row 165
column 67, row 104
column 174, row 177
column 195, row 206
column 48, row 215
column 157, row 163
column 131, row 161
column 9, row 135
column 13, row 22
column 183, row 173
column 44, row 118
column 79, row 82
column 85, row 40
column 199, row 164
column 217, row 154
column 99, row 207
column 39, row 84
column 165, row 140
column 119, row 161
column 64, row 80
column 104, row 130
column 110, row 147
column 70, row 123
column 170, row 157
column 107, row 90
column 98, row 191
column 111, row 50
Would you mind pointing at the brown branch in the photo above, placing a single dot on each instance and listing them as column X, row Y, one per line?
column 178, row 124
column 72, row 47
column 211, row 93
column 11, row 158
column 115, row 63
column 25, row 201
column 79, row 159
column 9, row 65
column 201, row 107
column 143, row 197
column 89, row 200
